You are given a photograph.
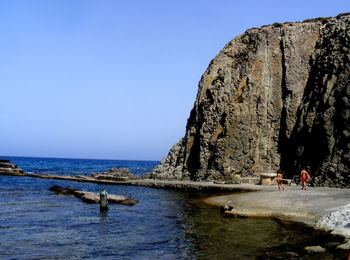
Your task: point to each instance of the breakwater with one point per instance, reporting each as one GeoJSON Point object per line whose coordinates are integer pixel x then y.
{"type": "Point", "coordinates": [204, 186]}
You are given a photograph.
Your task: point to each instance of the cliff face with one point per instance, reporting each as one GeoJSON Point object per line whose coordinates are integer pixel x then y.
{"type": "Point", "coordinates": [276, 96]}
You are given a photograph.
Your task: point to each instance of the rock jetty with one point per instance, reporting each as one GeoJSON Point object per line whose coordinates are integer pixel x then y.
{"type": "Point", "coordinates": [7, 167]}
{"type": "Point", "coordinates": [275, 96]}
{"type": "Point", "coordinates": [92, 197]}
{"type": "Point", "coordinates": [205, 186]}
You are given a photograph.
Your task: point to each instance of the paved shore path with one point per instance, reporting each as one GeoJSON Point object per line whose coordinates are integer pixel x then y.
{"type": "Point", "coordinates": [324, 208]}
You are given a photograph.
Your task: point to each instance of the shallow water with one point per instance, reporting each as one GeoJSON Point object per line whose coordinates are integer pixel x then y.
{"type": "Point", "coordinates": [36, 224]}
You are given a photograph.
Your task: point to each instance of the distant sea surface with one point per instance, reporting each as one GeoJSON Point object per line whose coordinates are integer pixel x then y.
{"type": "Point", "coordinates": [63, 166]}
{"type": "Point", "coordinates": [165, 224]}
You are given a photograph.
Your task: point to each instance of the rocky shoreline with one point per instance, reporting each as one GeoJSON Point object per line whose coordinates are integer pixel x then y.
{"type": "Point", "coordinates": [319, 207]}
{"type": "Point", "coordinates": [256, 200]}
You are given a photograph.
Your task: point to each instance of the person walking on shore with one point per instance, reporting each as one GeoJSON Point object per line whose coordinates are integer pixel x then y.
{"type": "Point", "coordinates": [304, 176]}
{"type": "Point", "coordinates": [280, 179]}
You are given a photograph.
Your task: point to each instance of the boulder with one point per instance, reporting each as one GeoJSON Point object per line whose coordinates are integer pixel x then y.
{"type": "Point", "coordinates": [237, 179]}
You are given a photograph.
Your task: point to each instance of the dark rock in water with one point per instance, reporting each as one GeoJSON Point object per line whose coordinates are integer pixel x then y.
{"type": "Point", "coordinates": [9, 168]}
{"type": "Point", "coordinates": [63, 191]}
{"type": "Point", "coordinates": [118, 174]}
{"type": "Point", "coordinates": [93, 197]}
{"type": "Point", "coordinates": [226, 208]}
{"type": "Point", "coordinates": [275, 96]}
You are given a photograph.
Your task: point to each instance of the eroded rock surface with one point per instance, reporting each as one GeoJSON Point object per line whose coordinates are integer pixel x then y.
{"type": "Point", "coordinates": [7, 167]}
{"type": "Point", "coordinates": [275, 96]}
{"type": "Point", "coordinates": [119, 174]}
{"type": "Point", "coordinates": [92, 197]}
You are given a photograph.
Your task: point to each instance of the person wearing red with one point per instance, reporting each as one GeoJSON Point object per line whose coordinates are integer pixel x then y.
{"type": "Point", "coordinates": [304, 176]}
{"type": "Point", "coordinates": [280, 179]}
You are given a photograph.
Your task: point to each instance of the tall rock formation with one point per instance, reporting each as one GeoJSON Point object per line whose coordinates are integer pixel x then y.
{"type": "Point", "coordinates": [275, 96]}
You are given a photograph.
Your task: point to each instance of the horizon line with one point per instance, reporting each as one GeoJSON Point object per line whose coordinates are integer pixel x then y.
{"type": "Point", "coordinates": [71, 158]}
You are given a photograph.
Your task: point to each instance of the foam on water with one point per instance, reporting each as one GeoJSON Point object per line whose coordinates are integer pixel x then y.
{"type": "Point", "coordinates": [338, 221]}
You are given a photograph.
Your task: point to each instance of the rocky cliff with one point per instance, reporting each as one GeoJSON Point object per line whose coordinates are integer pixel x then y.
{"type": "Point", "coordinates": [275, 96]}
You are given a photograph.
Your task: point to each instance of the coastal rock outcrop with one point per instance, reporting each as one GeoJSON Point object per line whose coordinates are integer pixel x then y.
{"type": "Point", "coordinates": [92, 197]}
{"type": "Point", "coordinates": [117, 174]}
{"type": "Point", "coordinates": [275, 96]}
{"type": "Point", "coordinates": [7, 167]}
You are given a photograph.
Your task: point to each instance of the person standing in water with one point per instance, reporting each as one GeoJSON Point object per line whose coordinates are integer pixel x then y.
{"type": "Point", "coordinates": [304, 176]}
{"type": "Point", "coordinates": [280, 179]}
{"type": "Point", "coordinates": [103, 200]}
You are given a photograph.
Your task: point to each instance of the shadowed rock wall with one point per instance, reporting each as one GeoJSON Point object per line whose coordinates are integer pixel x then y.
{"type": "Point", "coordinates": [276, 96]}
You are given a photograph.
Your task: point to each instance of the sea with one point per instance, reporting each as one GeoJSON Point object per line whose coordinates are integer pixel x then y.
{"type": "Point", "coordinates": [165, 224]}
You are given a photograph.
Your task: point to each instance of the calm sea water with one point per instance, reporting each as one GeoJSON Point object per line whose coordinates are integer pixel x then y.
{"type": "Point", "coordinates": [36, 224]}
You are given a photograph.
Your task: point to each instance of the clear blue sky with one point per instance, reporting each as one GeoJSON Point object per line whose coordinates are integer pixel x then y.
{"type": "Point", "coordinates": [116, 79]}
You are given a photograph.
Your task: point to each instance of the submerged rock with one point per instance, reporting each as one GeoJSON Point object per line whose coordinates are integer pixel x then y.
{"type": "Point", "coordinates": [275, 96]}
{"type": "Point", "coordinates": [63, 191]}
